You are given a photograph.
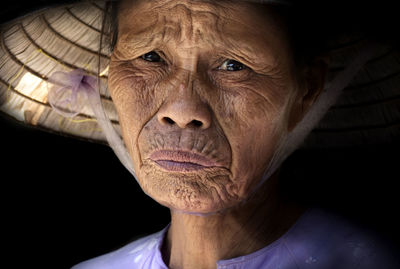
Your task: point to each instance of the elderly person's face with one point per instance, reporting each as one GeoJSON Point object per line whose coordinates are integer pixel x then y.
{"type": "Point", "coordinates": [204, 91]}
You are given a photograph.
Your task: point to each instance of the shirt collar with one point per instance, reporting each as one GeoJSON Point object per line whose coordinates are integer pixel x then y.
{"type": "Point", "coordinates": [238, 262]}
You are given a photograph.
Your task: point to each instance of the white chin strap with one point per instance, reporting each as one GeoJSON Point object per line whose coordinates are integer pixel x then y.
{"type": "Point", "coordinates": [327, 98]}
{"type": "Point", "coordinates": [70, 92]}
{"type": "Point", "coordinates": [113, 138]}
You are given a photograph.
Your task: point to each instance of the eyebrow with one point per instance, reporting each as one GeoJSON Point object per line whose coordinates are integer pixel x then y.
{"type": "Point", "coordinates": [136, 41]}
{"type": "Point", "coordinates": [242, 49]}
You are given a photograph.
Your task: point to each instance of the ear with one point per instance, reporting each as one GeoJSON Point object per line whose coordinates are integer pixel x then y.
{"type": "Point", "coordinates": [312, 81]}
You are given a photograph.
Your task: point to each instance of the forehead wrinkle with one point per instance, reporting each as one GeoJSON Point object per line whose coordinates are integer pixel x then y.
{"type": "Point", "coordinates": [163, 30]}
{"type": "Point", "coordinates": [186, 24]}
{"type": "Point", "coordinates": [187, 17]}
{"type": "Point", "coordinates": [158, 12]}
{"type": "Point", "coordinates": [151, 37]}
{"type": "Point", "coordinates": [194, 5]}
{"type": "Point", "coordinates": [194, 26]}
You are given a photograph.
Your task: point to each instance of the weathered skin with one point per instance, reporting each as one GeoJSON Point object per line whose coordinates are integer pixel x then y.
{"type": "Point", "coordinates": [190, 102]}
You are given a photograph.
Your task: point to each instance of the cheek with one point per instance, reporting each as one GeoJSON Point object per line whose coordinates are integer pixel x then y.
{"type": "Point", "coordinates": [253, 117]}
{"type": "Point", "coordinates": [253, 98]}
{"type": "Point", "coordinates": [250, 108]}
{"type": "Point", "coordinates": [133, 95]}
{"type": "Point", "coordinates": [130, 89]}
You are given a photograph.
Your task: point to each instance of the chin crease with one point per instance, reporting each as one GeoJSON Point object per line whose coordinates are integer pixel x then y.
{"type": "Point", "coordinates": [200, 192]}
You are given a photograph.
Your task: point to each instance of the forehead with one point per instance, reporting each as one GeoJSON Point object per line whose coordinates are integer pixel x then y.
{"type": "Point", "coordinates": [220, 8]}
{"type": "Point", "coordinates": [246, 24]}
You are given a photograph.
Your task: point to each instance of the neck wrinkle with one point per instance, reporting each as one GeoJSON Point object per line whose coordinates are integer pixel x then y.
{"type": "Point", "coordinates": [201, 241]}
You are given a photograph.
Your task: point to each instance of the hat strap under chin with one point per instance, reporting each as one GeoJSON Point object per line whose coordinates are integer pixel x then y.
{"type": "Point", "coordinates": [113, 138]}
{"type": "Point", "coordinates": [69, 92]}
{"type": "Point", "coordinates": [290, 142]}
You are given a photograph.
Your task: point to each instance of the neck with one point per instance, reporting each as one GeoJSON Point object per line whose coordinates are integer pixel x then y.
{"type": "Point", "coordinates": [200, 241]}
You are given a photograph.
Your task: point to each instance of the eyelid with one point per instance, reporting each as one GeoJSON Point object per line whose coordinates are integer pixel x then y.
{"type": "Point", "coordinates": [160, 54]}
{"type": "Point", "coordinates": [245, 67]}
{"type": "Point", "coordinates": [142, 55]}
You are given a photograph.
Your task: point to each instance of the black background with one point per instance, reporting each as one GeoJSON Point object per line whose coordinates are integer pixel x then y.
{"type": "Point", "coordinates": [66, 200]}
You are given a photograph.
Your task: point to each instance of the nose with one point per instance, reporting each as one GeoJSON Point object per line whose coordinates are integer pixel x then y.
{"type": "Point", "coordinates": [186, 110]}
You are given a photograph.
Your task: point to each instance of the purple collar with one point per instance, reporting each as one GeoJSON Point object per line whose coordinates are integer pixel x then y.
{"type": "Point", "coordinates": [318, 240]}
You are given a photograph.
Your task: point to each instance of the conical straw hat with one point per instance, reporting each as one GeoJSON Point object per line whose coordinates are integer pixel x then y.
{"type": "Point", "coordinates": [37, 45]}
{"type": "Point", "coordinates": [66, 38]}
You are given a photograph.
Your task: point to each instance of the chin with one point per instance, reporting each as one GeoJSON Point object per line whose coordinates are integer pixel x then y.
{"type": "Point", "coordinates": [202, 206]}
{"type": "Point", "coordinates": [201, 193]}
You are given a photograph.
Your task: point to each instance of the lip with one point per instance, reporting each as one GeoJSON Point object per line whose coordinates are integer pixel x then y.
{"type": "Point", "coordinates": [176, 160]}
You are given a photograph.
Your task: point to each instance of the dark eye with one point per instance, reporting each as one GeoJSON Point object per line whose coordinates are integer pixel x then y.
{"type": "Point", "coordinates": [232, 65]}
{"type": "Point", "coordinates": [152, 56]}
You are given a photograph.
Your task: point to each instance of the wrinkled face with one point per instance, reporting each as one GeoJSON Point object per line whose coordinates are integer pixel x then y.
{"type": "Point", "coordinates": [203, 93]}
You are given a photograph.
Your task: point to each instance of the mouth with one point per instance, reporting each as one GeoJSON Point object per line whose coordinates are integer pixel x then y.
{"type": "Point", "coordinates": [181, 161]}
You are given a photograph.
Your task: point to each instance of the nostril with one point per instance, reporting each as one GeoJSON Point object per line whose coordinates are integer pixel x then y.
{"type": "Point", "coordinates": [183, 123]}
{"type": "Point", "coordinates": [196, 123]}
{"type": "Point", "coordinates": [168, 120]}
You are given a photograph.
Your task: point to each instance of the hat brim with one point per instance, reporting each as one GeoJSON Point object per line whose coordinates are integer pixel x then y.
{"type": "Point", "coordinates": [67, 37]}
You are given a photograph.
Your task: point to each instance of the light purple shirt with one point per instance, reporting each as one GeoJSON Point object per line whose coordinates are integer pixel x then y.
{"type": "Point", "coordinates": [318, 240]}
